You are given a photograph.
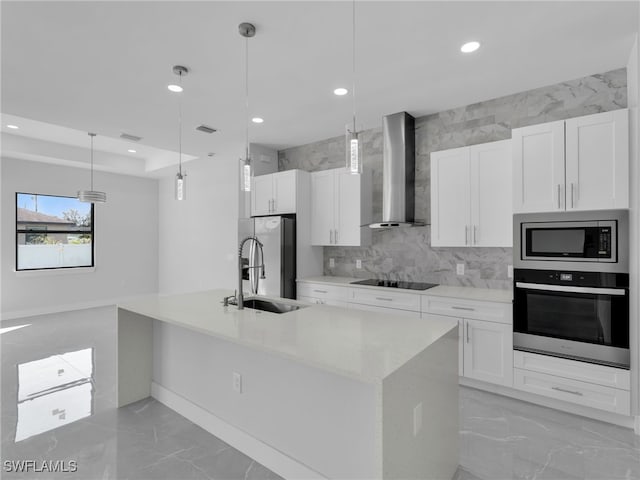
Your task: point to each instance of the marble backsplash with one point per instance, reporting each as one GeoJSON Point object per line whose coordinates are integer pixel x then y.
{"type": "Point", "coordinates": [406, 253]}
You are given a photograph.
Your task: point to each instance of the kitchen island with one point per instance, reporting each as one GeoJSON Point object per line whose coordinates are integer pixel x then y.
{"type": "Point", "coordinates": [320, 392]}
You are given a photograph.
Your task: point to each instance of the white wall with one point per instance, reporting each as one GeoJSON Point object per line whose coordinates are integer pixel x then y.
{"type": "Point", "coordinates": [198, 236]}
{"type": "Point", "coordinates": [126, 240]}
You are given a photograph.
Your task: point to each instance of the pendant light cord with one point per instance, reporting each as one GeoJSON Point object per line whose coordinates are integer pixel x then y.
{"type": "Point", "coordinates": [246, 93]}
{"type": "Point", "coordinates": [180, 130]}
{"type": "Point", "coordinates": [92, 160]}
{"type": "Point", "coordinates": [353, 53]}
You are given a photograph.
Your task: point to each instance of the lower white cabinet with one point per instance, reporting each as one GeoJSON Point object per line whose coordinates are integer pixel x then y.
{"type": "Point", "coordinates": [596, 386]}
{"type": "Point", "coordinates": [371, 297]}
{"type": "Point", "coordinates": [485, 348]}
{"type": "Point", "coordinates": [488, 348]}
{"type": "Point", "coordinates": [324, 294]}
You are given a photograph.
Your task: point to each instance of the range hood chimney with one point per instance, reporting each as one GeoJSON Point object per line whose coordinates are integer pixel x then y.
{"type": "Point", "coordinates": [398, 172]}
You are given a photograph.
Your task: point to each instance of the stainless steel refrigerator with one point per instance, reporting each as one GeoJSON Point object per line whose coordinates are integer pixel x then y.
{"type": "Point", "coordinates": [278, 237]}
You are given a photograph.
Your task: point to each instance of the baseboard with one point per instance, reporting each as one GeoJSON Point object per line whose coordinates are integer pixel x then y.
{"type": "Point", "coordinates": [591, 413]}
{"type": "Point", "coordinates": [270, 457]}
{"type": "Point", "coordinates": [69, 307]}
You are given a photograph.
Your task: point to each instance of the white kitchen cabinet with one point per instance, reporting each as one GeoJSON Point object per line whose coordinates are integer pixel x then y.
{"type": "Point", "coordinates": [576, 164]}
{"type": "Point", "coordinates": [340, 205]}
{"type": "Point", "coordinates": [274, 194]}
{"type": "Point", "coordinates": [471, 196]}
{"type": "Point", "coordinates": [485, 343]}
{"type": "Point", "coordinates": [488, 351]}
{"type": "Point", "coordinates": [383, 298]}
{"type": "Point", "coordinates": [323, 294]}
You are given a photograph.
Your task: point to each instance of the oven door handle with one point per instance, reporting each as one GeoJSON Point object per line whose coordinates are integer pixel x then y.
{"type": "Point", "coordinates": [570, 289]}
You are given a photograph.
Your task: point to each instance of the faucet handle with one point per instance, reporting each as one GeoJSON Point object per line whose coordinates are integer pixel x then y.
{"type": "Point", "coordinates": [230, 300]}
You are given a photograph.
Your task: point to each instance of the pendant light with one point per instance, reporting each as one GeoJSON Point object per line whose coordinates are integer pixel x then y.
{"type": "Point", "coordinates": [247, 30]}
{"type": "Point", "coordinates": [353, 142]}
{"type": "Point", "coordinates": [92, 196]}
{"type": "Point", "coordinates": [181, 180]}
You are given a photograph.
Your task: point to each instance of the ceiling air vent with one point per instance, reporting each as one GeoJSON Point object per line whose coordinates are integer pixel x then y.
{"type": "Point", "coordinates": [206, 129]}
{"type": "Point", "coordinates": [131, 138]}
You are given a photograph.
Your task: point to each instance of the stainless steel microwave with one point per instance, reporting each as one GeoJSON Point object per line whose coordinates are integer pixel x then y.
{"type": "Point", "coordinates": [590, 241]}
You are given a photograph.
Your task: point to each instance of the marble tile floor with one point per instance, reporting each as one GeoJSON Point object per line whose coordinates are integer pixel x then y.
{"type": "Point", "coordinates": [58, 404]}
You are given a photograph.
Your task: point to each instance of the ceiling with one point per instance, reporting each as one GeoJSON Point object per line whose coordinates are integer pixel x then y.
{"type": "Point", "coordinates": [73, 67]}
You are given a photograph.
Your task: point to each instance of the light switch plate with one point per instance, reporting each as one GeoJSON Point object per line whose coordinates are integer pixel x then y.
{"type": "Point", "coordinates": [332, 263]}
{"type": "Point", "coordinates": [237, 382]}
{"type": "Point", "coordinates": [460, 268]}
{"type": "Point", "coordinates": [358, 263]}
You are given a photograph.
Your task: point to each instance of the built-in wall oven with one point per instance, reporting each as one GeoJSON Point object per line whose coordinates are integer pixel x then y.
{"type": "Point", "coordinates": [571, 285]}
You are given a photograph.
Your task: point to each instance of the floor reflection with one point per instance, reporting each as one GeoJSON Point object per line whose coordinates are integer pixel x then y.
{"type": "Point", "coordinates": [54, 391]}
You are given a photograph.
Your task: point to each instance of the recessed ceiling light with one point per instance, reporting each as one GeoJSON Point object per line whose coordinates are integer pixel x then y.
{"type": "Point", "coordinates": [470, 47]}
{"type": "Point", "coordinates": [175, 88]}
{"type": "Point", "coordinates": [257, 120]}
{"type": "Point", "coordinates": [131, 150]}
{"type": "Point", "coordinates": [340, 91]}
{"type": "Point", "coordinates": [13, 127]}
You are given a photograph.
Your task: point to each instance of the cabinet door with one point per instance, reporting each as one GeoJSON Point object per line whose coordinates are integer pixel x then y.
{"type": "Point", "coordinates": [284, 192]}
{"type": "Point", "coordinates": [597, 161]}
{"type": "Point", "coordinates": [347, 211]}
{"type": "Point", "coordinates": [488, 352]}
{"type": "Point", "coordinates": [427, 316]}
{"type": "Point", "coordinates": [261, 195]}
{"type": "Point", "coordinates": [538, 168]}
{"type": "Point", "coordinates": [491, 194]}
{"type": "Point", "coordinates": [322, 207]}
{"type": "Point", "coordinates": [450, 191]}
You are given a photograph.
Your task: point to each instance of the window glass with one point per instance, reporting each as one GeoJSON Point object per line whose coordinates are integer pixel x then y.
{"type": "Point", "coordinates": [53, 232]}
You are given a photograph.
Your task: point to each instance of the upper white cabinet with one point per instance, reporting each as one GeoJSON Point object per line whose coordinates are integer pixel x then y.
{"type": "Point", "coordinates": [576, 164]}
{"type": "Point", "coordinates": [274, 194]}
{"type": "Point", "coordinates": [340, 206]}
{"type": "Point", "coordinates": [471, 196]}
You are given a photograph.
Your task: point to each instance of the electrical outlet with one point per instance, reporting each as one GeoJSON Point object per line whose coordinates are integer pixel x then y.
{"type": "Point", "coordinates": [509, 271]}
{"type": "Point", "coordinates": [237, 382]}
{"type": "Point", "coordinates": [358, 264]}
{"type": "Point", "coordinates": [332, 263]}
{"type": "Point", "coordinates": [417, 419]}
{"type": "Point", "coordinates": [460, 268]}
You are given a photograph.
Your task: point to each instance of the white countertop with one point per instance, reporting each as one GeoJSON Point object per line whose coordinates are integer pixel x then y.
{"type": "Point", "coordinates": [469, 293]}
{"type": "Point", "coordinates": [364, 345]}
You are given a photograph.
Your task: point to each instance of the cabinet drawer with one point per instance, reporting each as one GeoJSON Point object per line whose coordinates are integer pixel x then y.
{"type": "Point", "coordinates": [458, 307]}
{"type": "Point", "coordinates": [319, 301]}
{"type": "Point", "coordinates": [582, 393]}
{"type": "Point", "coordinates": [401, 301]}
{"type": "Point", "coordinates": [322, 291]}
{"type": "Point", "coordinates": [387, 310]}
{"type": "Point", "coordinates": [562, 367]}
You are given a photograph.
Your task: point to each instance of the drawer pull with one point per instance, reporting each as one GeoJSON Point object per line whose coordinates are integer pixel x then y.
{"type": "Point", "coordinates": [468, 309]}
{"type": "Point", "coordinates": [572, 392]}
{"type": "Point", "coordinates": [321, 291]}
{"type": "Point", "coordinates": [385, 299]}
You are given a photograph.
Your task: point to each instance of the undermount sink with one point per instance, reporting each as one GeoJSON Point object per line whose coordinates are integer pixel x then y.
{"type": "Point", "coordinates": [270, 305]}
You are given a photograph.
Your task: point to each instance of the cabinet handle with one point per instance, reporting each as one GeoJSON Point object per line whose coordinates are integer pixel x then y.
{"type": "Point", "coordinates": [475, 234]}
{"type": "Point", "coordinates": [469, 309]}
{"type": "Point", "coordinates": [274, 205]}
{"type": "Point", "coordinates": [320, 291]}
{"type": "Point", "coordinates": [466, 234]}
{"type": "Point", "coordinates": [558, 196]}
{"type": "Point", "coordinates": [572, 392]}
{"type": "Point", "coordinates": [335, 236]}
{"type": "Point", "coordinates": [467, 325]}
{"type": "Point", "coordinates": [385, 299]}
{"type": "Point", "coordinates": [572, 194]}
{"type": "Point", "coordinates": [331, 236]}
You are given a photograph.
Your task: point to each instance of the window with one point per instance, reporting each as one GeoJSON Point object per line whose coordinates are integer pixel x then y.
{"type": "Point", "coordinates": [53, 232]}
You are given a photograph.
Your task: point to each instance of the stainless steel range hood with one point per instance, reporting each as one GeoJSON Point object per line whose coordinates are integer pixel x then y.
{"type": "Point", "coordinates": [398, 172]}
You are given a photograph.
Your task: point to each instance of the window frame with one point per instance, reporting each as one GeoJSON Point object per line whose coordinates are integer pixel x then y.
{"type": "Point", "coordinates": [26, 232]}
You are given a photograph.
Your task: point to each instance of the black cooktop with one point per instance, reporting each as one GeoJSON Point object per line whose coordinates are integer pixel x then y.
{"type": "Point", "coordinates": [395, 284]}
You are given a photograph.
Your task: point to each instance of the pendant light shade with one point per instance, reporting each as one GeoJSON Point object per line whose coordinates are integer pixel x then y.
{"type": "Point", "coordinates": [92, 196]}
{"type": "Point", "coordinates": [181, 177]}
{"type": "Point", "coordinates": [353, 145]}
{"type": "Point", "coordinates": [247, 30]}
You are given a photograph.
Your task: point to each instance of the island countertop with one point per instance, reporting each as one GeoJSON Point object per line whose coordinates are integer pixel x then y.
{"type": "Point", "coordinates": [363, 345]}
